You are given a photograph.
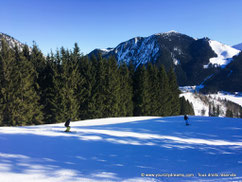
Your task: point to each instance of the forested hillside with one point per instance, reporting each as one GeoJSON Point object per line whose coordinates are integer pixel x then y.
{"type": "Point", "coordinates": [36, 89]}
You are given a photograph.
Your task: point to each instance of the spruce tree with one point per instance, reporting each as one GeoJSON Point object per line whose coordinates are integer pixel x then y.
{"type": "Point", "coordinates": [152, 88]}
{"type": "Point", "coordinates": [175, 104]}
{"type": "Point", "coordinates": [126, 91]}
{"type": "Point", "coordinates": [141, 94]}
{"type": "Point", "coordinates": [112, 88]}
{"type": "Point", "coordinates": [70, 78]}
{"type": "Point", "coordinates": [20, 102]}
{"type": "Point", "coordinates": [30, 108]}
{"type": "Point", "coordinates": [7, 85]}
{"type": "Point", "coordinates": [37, 58]}
{"type": "Point", "coordinates": [229, 113]}
{"type": "Point", "coordinates": [186, 107]}
{"type": "Point", "coordinates": [87, 104]}
{"type": "Point", "coordinates": [49, 90]}
{"type": "Point", "coordinates": [164, 97]}
{"type": "Point", "coordinates": [98, 95]}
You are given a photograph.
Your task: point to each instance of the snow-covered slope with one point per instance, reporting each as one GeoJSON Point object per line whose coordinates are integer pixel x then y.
{"type": "Point", "coordinates": [140, 149]}
{"type": "Point", "coordinates": [210, 104]}
{"type": "Point", "coordinates": [224, 54]}
{"type": "Point", "coordinates": [194, 60]}
{"type": "Point", "coordinates": [11, 41]}
{"type": "Point", "coordinates": [140, 50]}
{"type": "Point", "coordinates": [233, 97]}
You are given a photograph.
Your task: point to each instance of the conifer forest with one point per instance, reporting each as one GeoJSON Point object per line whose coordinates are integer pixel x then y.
{"type": "Point", "coordinates": [37, 89]}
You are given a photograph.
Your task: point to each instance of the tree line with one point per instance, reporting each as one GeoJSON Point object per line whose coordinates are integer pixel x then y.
{"type": "Point", "coordinates": [37, 89]}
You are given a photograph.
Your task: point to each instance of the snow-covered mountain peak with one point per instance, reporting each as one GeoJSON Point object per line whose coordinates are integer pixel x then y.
{"type": "Point", "coordinates": [107, 49]}
{"type": "Point", "coordinates": [168, 35]}
{"type": "Point", "coordinates": [194, 60]}
{"type": "Point", "coordinates": [224, 54]}
{"type": "Point", "coordinates": [172, 32]}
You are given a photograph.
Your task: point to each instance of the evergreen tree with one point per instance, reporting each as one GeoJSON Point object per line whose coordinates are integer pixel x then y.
{"type": "Point", "coordinates": [175, 104]}
{"type": "Point", "coordinates": [240, 112]}
{"type": "Point", "coordinates": [50, 90]}
{"type": "Point", "coordinates": [164, 96]}
{"type": "Point", "coordinates": [38, 60]}
{"type": "Point", "coordinates": [186, 107]}
{"type": "Point", "coordinates": [87, 102]}
{"type": "Point", "coordinates": [30, 108]}
{"type": "Point", "coordinates": [105, 91]}
{"type": "Point", "coordinates": [20, 102]}
{"type": "Point", "coordinates": [210, 110]}
{"type": "Point", "coordinates": [229, 113]}
{"type": "Point", "coordinates": [111, 88]}
{"type": "Point", "coordinates": [98, 95]}
{"type": "Point", "coordinates": [7, 85]}
{"type": "Point", "coordinates": [70, 78]}
{"type": "Point", "coordinates": [153, 89]}
{"type": "Point", "coordinates": [141, 95]}
{"type": "Point", "coordinates": [126, 92]}
{"type": "Point", "coordinates": [218, 110]}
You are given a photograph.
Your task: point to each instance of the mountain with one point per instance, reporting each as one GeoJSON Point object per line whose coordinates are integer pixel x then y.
{"type": "Point", "coordinates": [194, 60]}
{"type": "Point", "coordinates": [238, 46]}
{"type": "Point", "coordinates": [11, 41]}
{"type": "Point", "coordinates": [132, 149]}
{"type": "Point", "coordinates": [227, 79]}
{"type": "Point", "coordinates": [203, 62]}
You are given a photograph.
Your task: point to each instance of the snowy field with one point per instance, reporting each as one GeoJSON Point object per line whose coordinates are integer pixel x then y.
{"type": "Point", "coordinates": [124, 149]}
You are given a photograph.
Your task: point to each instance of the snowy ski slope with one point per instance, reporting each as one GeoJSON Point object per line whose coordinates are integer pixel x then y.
{"type": "Point", "coordinates": [133, 149]}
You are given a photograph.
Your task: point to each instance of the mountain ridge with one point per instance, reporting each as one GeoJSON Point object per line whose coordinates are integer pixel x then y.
{"type": "Point", "coordinates": [11, 41]}
{"type": "Point", "coordinates": [194, 60]}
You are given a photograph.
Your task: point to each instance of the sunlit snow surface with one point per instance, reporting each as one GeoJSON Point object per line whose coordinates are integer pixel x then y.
{"type": "Point", "coordinates": [201, 107]}
{"type": "Point", "coordinates": [123, 149]}
{"type": "Point", "coordinates": [224, 54]}
{"type": "Point", "coordinates": [233, 97]}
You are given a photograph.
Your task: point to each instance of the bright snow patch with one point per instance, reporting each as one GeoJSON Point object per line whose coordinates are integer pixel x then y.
{"type": "Point", "coordinates": [236, 98]}
{"type": "Point", "coordinates": [135, 149]}
{"type": "Point", "coordinates": [107, 50]}
{"type": "Point", "coordinates": [224, 54]}
{"type": "Point", "coordinates": [200, 108]}
{"type": "Point", "coordinates": [201, 101]}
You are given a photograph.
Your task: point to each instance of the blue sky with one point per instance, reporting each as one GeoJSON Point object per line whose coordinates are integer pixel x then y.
{"type": "Point", "coordinates": [106, 23]}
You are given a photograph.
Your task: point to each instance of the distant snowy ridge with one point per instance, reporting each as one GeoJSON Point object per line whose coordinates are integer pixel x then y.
{"type": "Point", "coordinates": [141, 50]}
{"type": "Point", "coordinates": [12, 42]}
{"type": "Point", "coordinates": [224, 54]}
{"type": "Point", "coordinates": [233, 97]}
{"type": "Point", "coordinates": [203, 104]}
{"type": "Point", "coordinates": [194, 60]}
